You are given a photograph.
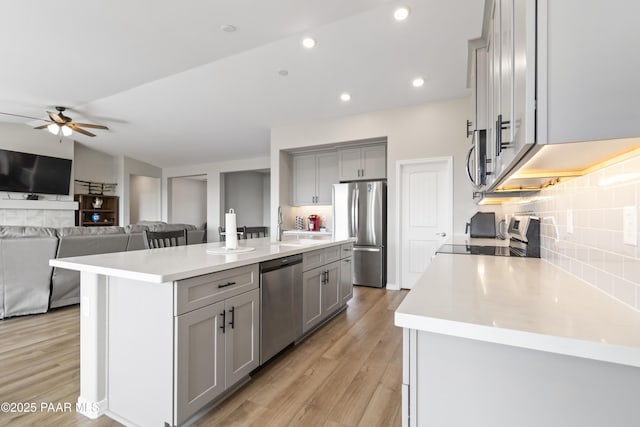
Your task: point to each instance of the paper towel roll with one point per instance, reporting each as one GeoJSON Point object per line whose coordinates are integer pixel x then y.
{"type": "Point", "coordinates": [231, 235]}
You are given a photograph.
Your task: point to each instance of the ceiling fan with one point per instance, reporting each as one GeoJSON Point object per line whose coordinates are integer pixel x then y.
{"type": "Point", "coordinates": [59, 123]}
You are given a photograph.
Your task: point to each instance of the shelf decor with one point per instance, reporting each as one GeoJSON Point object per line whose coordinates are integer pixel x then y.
{"type": "Point", "coordinates": [96, 210]}
{"type": "Point", "coordinates": [98, 188]}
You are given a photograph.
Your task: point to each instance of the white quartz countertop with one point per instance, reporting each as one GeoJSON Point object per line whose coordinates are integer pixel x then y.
{"type": "Point", "coordinates": [180, 262]}
{"type": "Point", "coordinates": [466, 240]}
{"type": "Point", "coordinates": [306, 233]}
{"type": "Point", "coordinates": [521, 302]}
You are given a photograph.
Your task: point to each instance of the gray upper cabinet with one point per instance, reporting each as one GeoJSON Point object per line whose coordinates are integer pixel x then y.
{"type": "Point", "coordinates": [313, 177]}
{"type": "Point", "coordinates": [363, 162]}
{"type": "Point", "coordinates": [552, 79]}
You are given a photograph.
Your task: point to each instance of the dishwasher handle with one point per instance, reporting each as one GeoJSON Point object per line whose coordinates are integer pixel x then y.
{"type": "Point", "coordinates": [279, 263]}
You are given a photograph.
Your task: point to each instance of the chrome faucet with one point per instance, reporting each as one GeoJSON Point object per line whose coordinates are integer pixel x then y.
{"type": "Point", "coordinates": [279, 226]}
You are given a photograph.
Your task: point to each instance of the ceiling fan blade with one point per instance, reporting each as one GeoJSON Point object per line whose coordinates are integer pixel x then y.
{"type": "Point", "coordinates": [80, 130]}
{"type": "Point", "coordinates": [89, 125]}
{"type": "Point", "coordinates": [20, 115]}
{"type": "Point", "coordinates": [41, 127]}
{"type": "Point", "coordinates": [56, 118]}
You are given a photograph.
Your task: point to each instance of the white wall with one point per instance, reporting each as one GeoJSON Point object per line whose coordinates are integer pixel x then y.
{"type": "Point", "coordinates": [23, 138]}
{"type": "Point", "coordinates": [125, 168]}
{"type": "Point", "coordinates": [266, 199]}
{"type": "Point", "coordinates": [422, 131]}
{"type": "Point", "coordinates": [212, 171]}
{"type": "Point", "coordinates": [189, 201]}
{"type": "Point", "coordinates": [95, 166]}
{"type": "Point", "coordinates": [244, 192]}
{"type": "Point", "coordinates": [144, 199]}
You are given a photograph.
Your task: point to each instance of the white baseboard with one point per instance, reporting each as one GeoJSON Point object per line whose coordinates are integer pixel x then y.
{"type": "Point", "coordinates": [393, 287]}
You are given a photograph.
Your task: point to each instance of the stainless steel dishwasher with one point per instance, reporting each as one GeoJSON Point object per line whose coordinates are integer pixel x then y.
{"type": "Point", "coordinates": [281, 304]}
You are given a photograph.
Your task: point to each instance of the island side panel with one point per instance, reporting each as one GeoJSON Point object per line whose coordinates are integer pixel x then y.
{"type": "Point", "coordinates": [465, 382]}
{"type": "Point", "coordinates": [92, 401]}
{"type": "Point", "coordinates": [140, 353]}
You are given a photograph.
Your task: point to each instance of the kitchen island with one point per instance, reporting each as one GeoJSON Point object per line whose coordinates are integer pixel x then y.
{"type": "Point", "coordinates": [164, 333]}
{"type": "Point", "coordinates": [500, 341]}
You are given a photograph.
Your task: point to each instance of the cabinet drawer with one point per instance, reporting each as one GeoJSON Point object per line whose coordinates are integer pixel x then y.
{"type": "Point", "coordinates": [332, 254]}
{"type": "Point", "coordinates": [346, 250]}
{"type": "Point", "coordinates": [200, 291]}
{"type": "Point", "coordinates": [313, 259]}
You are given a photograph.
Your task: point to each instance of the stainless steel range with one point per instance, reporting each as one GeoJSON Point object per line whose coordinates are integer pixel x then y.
{"type": "Point", "coordinates": [524, 241]}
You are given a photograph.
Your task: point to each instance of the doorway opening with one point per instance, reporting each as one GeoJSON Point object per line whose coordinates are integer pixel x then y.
{"type": "Point", "coordinates": [187, 200]}
{"type": "Point", "coordinates": [248, 193]}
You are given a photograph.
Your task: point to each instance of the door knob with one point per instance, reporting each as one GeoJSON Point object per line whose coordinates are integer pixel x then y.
{"type": "Point", "coordinates": [443, 234]}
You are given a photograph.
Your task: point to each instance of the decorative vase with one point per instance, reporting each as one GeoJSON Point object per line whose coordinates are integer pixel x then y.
{"type": "Point", "coordinates": [97, 203]}
{"type": "Point", "coordinates": [95, 217]}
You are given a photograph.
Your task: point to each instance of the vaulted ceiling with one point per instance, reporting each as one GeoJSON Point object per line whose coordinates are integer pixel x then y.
{"type": "Point", "coordinates": [174, 88]}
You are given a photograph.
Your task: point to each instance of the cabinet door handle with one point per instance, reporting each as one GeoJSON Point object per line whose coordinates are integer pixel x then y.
{"type": "Point", "coordinates": [224, 319]}
{"type": "Point", "coordinates": [226, 284]}
{"type": "Point", "coordinates": [362, 172]}
{"type": "Point", "coordinates": [233, 317]}
{"type": "Point", "coordinates": [469, 131]}
{"type": "Point", "coordinates": [500, 126]}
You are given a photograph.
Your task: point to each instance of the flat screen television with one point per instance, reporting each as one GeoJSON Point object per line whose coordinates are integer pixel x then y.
{"type": "Point", "coordinates": [33, 173]}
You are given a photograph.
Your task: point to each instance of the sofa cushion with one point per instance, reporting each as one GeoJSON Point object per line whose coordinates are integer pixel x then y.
{"type": "Point", "coordinates": [150, 222]}
{"type": "Point", "coordinates": [25, 274]}
{"type": "Point", "coordinates": [171, 227]}
{"type": "Point", "coordinates": [135, 228]}
{"type": "Point", "coordinates": [17, 231]}
{"type": "Point", "coordinates": [88, 231]}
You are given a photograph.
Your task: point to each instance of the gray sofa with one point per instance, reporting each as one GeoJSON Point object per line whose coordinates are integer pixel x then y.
{"type": "Point", "coordinates": [28, 285]}
{"type": "Point", "coordinates": [25, 275]}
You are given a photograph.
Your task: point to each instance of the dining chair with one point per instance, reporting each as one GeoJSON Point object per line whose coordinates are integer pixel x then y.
{"type": "Point", "coordinates": [242, 233]}
{"type": "Point", "coordinates": [254, 232]}
{"type": "Point", "coordinates": [164, 239]}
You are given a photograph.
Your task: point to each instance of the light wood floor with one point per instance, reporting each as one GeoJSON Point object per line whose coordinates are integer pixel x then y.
{"type": "Point", "coordinates": [346, 374]}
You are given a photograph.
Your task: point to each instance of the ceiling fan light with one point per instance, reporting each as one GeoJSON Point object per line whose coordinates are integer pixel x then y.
{"type": "Point", "coordinates": [66, 130]}
{"type": "Point", "coordinates": [53, 128]}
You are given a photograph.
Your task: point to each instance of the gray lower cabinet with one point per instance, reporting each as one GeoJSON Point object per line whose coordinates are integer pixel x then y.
{"type": "Point", "coordinates": [346, 272]}
{"type": "Point", "coordinates": [242, 336]}
{"type": "Point", "coordinates": [320, 294]}
{"type": "Point", "coordinates": [311, 298]}
{"type": "Point", "coordinates": [216, 346]}
{"type": "Point", "coordinates": [346, 279]}
{"type": "Point", "coordinates": [331, 288]}
{"type": "Point", "coordinates": [200, 354]}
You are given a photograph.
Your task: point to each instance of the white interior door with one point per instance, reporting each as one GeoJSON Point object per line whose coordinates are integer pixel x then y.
{"type": "Point", "coordinates": [426, 207]}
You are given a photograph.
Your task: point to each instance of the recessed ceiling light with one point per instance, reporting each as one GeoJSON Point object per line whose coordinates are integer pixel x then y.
{"type": "Point", "coordinates": [401, 13]}
{"type": "Point", "coordinates": [418, 82]}
{"type": "Point", "coordinates": [308, 42]}
{"type": "Point", "coordinates": [283, 73]}
{"type": "Point", "coordinates": [227, 28]}
{"type": "Point", "coordinates": [345, 97]}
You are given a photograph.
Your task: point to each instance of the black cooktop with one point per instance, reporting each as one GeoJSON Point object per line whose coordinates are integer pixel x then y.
{"type": "Point", "coordinates": [480, 250]}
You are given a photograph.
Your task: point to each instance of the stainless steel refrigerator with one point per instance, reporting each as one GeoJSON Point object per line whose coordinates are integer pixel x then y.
{"type": "Point", "coordinates": [360, 211]}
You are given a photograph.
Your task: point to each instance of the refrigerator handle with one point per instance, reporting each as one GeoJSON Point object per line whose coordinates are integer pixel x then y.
{"type": "Point", "coordinates": [352, 211]}
{"type": "Point", "coordinates": [357, 212]}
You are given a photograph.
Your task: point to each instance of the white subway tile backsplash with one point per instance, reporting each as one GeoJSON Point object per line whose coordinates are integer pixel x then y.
{"type": "Point", "coordinates": [625, 291]}
{"type": "Point", "coordinates": [595, 251]}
